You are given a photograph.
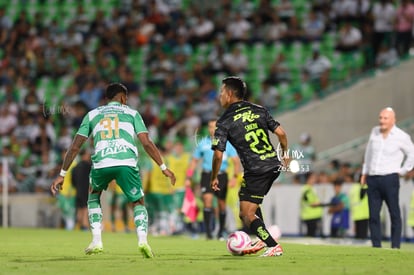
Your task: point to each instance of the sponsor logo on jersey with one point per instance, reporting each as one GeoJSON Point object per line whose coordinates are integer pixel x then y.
{"type": "Point", "coordinates": [246, 116]}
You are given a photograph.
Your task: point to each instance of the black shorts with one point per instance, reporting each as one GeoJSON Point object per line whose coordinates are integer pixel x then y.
{"type": "Point", "coordinates": [206, 187]}
{"type": "Point", "coordinates": [255, 186]}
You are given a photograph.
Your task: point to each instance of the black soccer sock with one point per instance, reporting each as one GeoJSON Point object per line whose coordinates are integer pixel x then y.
{"type": "Point", "coordinates": [258, 227]}
{"type": "Point", "coordinates": [222, 221]}
{"type": "Point", "coordinates": [208, 212]}
{"type": "Point", "coordinates": [259, 213]}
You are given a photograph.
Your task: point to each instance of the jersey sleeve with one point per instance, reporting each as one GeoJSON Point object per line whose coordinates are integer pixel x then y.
{"type": "Point", "coordinates": [272, 124]}
{"type": "Point", "coordinates": [85, 127]}
{"type": "Point", "coordinates": [220, 138]}
{"type": "Point", "coordinates": [139, 125]}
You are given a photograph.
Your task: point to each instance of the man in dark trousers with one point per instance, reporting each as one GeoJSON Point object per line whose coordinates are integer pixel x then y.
{"type": "Point", "coordinates": [389, 155]}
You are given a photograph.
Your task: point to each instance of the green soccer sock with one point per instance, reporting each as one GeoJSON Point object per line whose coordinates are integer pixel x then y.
{"type": "Point", "coordinates": [95, 216]}
{"type": "Point", "coordinates": [141, 223]}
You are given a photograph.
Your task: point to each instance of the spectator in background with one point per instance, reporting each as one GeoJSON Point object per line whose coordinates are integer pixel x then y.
{"type": "Point", "coordinates": [168, 123]}
{"type": "Point", "coordinates": [237, 30]}
{"type": "Point", "coordinates": [346, 172]}
{"type": "Point", "coordinates": [201, 31]}
{"type": "Point", "coordinates": [279, 70]}
{"type": "Point", "coordinates": [160, 66]}
{"type": "Point", "coordinates": [91, 94]}
{"type": "Point", "coordinates": [383, 13]}
{"type": "Point", "coordinates": [46, 171]}
{"type": "Point", "coordinates": [41, 142]}
{"type": "Point", "coordinates": [339, 209]}
{"type": "Point", "coordinates": [349, 39]}
{"type": "Point", "coordinates": [295, 31]}
{"type": "Point", "coordinates": [235, 62]}
{"type": "Point", "coordinates": [270, 96]}
{"type": "Point", "coordinates": [187, 126]}
{"type": "Point", "coordinates": [188, 88]}
{"type": "Point", "coordinates": [26, 176]}
{"type": "Point", "coordinates": [257, 31]}
{"type": "Point", "coordinates": [8, 121]}
{"type": "Point", "coordinates": [276, 29]}
{"type": "Point", "coordinates": [313, 27]}
{"type": "Point", "coordinates": [144, 32]}
{"type": "Point", "coordinates": [285, 10]}
{"type": "Point", "coordinates": [386, 56]}
{"type": "Point", "coordinates": [215, 63]}
{"type": "Point", "coordinates": [318, 68]}
{"type": "Point", "coordinates": [265, 10]}
{"type": "Point", "coordinates": [333, 169]}
{"type": "Point", "coordinates": [149, 112]}
{"type": "Point", "coordinates": [64, 139]}
{"type": "Point", "coordinates": [404, 23]}
{"type": "Point", "coordinates": [307, 156]}
{"type": "Point", "coordinates": [342, 10]}
{"type": "Point", "coordinates": [5, 21]}
{"type": "Point", "coordinates": [389, 154]}
{"type": "Point", "coordinates": [183, 47]}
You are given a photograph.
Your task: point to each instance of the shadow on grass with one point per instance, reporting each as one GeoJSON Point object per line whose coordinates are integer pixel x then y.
{"type": "Point", "coordinates": [60, 259]}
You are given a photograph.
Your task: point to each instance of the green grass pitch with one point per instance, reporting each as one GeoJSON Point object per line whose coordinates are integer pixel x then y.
{"type": "Point", "coordinates": [48, 251]}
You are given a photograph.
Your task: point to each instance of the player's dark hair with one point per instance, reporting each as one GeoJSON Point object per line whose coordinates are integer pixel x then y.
{"type": "Point", "coordinates": [115, 88]}
{"type": "Point", "coordinates": [235, 84]}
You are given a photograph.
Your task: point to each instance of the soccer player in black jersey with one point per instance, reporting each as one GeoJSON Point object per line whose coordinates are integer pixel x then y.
{"type": "Point", "coordinates": [245, 125]}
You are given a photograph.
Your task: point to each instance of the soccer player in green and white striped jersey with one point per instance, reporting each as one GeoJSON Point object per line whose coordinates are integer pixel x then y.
{"type": "Point", "coordinates": [113, 128]}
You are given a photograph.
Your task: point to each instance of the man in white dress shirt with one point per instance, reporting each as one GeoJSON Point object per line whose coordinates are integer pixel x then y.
{"type": "Point", "coordinates": [384, 163]}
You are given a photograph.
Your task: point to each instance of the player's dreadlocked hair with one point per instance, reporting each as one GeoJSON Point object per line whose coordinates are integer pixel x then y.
{"type": "Point", "coordinates": [114, 88]}
{"type": "Point", "coordinates": [235, 84]}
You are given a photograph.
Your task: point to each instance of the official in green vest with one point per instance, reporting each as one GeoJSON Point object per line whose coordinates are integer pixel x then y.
{"type": "Point", "coordinates": [311, 213]}
{"type": "Point", "coordinates": [359, 210]}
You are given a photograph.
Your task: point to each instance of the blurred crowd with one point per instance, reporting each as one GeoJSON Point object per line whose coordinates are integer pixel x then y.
{"type": "Point", "coordinates": [171, 55]}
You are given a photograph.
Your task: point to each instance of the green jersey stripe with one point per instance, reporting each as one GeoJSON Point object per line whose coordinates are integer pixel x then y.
{"type": "Point", "coordinates": [110, 162]}
{"type": "Point", "coordinates": [113, 128]}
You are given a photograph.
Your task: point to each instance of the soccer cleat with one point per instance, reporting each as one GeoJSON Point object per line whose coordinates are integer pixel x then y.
{"type": "Point", "coordinates": [220, 237]}
{"type": "Point", "coordinates": [273, 251]}
{"type": "Point", "coordinates": [146, 250]}
{"type": "Point", "coordinates": [94, 248]}
{"type": "Point", "coordinates": [254, 247]}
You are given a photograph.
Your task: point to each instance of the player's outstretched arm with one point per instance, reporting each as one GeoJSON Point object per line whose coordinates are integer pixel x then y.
{"type": "Point", "coordinates": [155, 154]}
{"type": "Point", "coordinates": [72, 152]}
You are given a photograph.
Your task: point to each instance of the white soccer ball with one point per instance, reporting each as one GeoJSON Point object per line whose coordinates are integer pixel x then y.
{"type": "Point", "coordinates": [237, 242]}
{"type": "Point", "coordinates": [275, 232]}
